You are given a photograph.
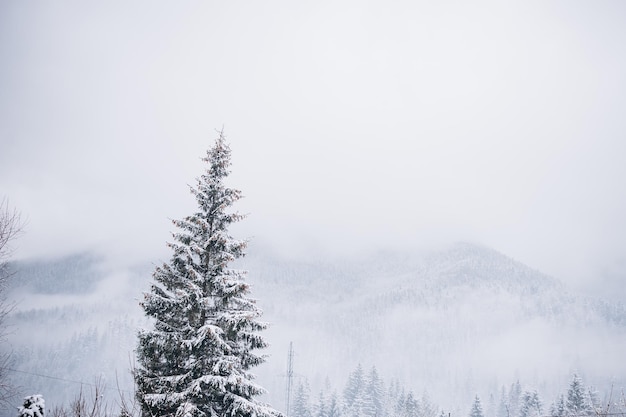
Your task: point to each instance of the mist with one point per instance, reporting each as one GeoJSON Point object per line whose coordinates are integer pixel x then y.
{"type": "Point", "coordinates": [453, 322]}
{"type": "Point", "coordinates": [351, 124]}
{"type": "Point", "coordinates": [359, 131]}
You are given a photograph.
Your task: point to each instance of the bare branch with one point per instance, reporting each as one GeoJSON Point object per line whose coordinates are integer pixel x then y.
{"type": "Point", "coordinates": [10, 228]}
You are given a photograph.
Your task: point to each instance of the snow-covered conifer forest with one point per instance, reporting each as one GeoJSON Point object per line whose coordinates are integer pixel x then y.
{"type": "Point", "coordinates": [459, 330]}
{"type": "Point", "coordinates": [432, 215]}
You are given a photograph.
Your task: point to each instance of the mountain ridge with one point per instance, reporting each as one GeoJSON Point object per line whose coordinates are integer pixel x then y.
{"type": "Point", "coordinates": [424, 318]}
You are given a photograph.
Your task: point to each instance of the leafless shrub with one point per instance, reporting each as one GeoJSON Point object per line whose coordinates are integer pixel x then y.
{"type": "Point", "coordinates": [93, 404]}
{"type": "Point", "coordinates": [10, 228]}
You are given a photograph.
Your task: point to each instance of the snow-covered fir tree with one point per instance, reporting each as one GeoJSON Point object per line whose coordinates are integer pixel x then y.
{"type": "Point", "coordinates": [34, 406]}
{"type": "Point", "coordinates": [354, 387]}
{"type": "Point", "coordinates": [411, 406]}
{"type": "Point", "coordinates": [594, 399]}
{"type": "Point", "coordinates": [503, 405]}
{"type": "Point", "coordinates": [530, 404]}
{"type": "Point", "coordinates": [301, 406]}
{"type": "Point", "coordinates": [558, 408]}
{"type": "Point", "coordinates": [320, 409]}
{"type": "Point", "coordinates": [577, 402]}
{"type": "Point", "coordinates": [515, 394]}
{"type": "Point", "coordinates": [333, 409]}
{"type": "Point", "coordinates": [374, 394]}
{"type": "Point", "coordinates": [428, 408]}
{"type": "Point", "coordinates": [490, 410]}
{"type": "Point", "coordinates": [400, 403]}
{"type": "Point", "coordinates": [477, 408]}
{"type": "Point", "coordinates": [354, 393]}
{"type": "Point", "coordinates": [196, 360]}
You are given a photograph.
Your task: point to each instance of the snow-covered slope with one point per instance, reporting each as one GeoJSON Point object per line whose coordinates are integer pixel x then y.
{"type": "Point", "coordinates": [457, 321]}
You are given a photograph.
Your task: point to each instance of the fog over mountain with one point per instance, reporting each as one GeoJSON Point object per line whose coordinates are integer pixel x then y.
{"type": "Point", "coordinates": [366, 136]}
{"type": "Point", "coordinates": [353, 124]}
{"type": "Point", "coordinates": [454, 322]}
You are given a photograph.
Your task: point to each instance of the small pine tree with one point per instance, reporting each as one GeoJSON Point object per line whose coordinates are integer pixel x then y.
{"type": "Point", "coordinates": [477, 408]}
{"type": "Point", "coordinates": [558, 408]}
{"type": "Point", "coordinates": [354, 387]}
{"type": "Point", "coordinates": [301, 403]}
{"type": "Point", "coordinates": [428, 408]}
{"type": "Point", "coordinates": [400, 404]}
{"type": "Point", "coordinates": [321, 407]}
{"type": "Point", "coordinates": [503, 406]}
{"type": "Point", "coordinates": [411, 406]}
{"type": "Point", "coordinates": [490, 411]}
{"type": "Point", "coordinates": [531, 405]}
{"type": "Point", "coordinates": [594, 400]}
{"type": "Point", "coordinates": [333, 410]}
{"type": "Point", "coordinates": [34, 406]}
{"type": "Point", "coordinates": [515, 394]}
{"type": "Point", "coordinates": [374, 394]}
{"type": "Point", "coordinates": [577, 403]}
{"type": "Point", "coordinates": [196, 360]}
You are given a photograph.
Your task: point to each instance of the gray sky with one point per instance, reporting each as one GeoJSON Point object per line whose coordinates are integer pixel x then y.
{"type": "Point", "coordinates": [352, 123]}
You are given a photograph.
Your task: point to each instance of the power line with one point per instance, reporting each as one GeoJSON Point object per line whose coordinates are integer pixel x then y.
{"type": "Point", "coordinates": [66, 380]}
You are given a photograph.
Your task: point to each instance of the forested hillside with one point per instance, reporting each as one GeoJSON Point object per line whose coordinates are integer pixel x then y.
{"type": "Point", "coordinates": [450, 324]}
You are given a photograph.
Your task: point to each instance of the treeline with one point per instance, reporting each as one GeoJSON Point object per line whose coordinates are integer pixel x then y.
{"type": "Point", "coordinates": [74, 274]}
{"type": "Point", "coordinates": [366, 394]}
{"type": "Point", "coordinates": [577, 400]}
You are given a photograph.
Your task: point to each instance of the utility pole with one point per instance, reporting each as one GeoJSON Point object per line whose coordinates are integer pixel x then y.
{"type": "Point", "coordinates": [289, 379]}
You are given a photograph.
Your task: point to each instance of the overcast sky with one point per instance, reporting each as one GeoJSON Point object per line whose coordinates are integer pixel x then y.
{"type": "Point", "coordinates": [352, 123]}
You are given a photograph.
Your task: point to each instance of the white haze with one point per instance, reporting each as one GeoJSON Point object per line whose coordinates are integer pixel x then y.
{"type": "Point", "coordinates": [353, 125]}
{"type": "Point", "coordinates": [467, 336]}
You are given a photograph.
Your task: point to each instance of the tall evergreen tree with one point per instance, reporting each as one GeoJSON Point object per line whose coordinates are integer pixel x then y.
{"type": "Point", "coordinates": [196, 360]}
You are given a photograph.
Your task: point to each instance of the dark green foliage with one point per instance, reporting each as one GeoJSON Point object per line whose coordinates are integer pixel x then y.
{"type": "Point", "coordinates": [196, 360]}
